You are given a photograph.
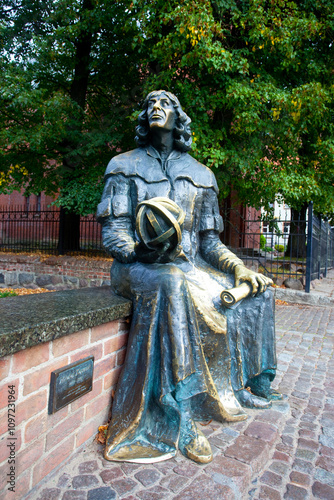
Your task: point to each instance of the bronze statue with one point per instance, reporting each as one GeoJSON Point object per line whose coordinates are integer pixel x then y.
{"type": "Point", "coordinates": [188, 357]}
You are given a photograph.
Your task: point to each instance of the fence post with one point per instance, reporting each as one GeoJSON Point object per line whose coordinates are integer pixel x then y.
{"type": "Point", "coordinates": [326, 261]}
{"type": "Point", "coordinates": [319, 247]}
{"type": "Point", "coordinates": [61, 249]}
{"type": "Point", "coordinates": [309, 248]}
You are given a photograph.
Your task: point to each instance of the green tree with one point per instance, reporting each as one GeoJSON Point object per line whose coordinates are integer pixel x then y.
{"type": "Point", "coordinates": [69, 82]}
{"type": "Point", "coordinates": [256, 77]}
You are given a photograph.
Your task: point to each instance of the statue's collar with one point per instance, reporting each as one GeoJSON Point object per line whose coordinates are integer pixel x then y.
{"type": "Point", "coordinates": [137, 163]}
{"type": "Point", "coordinates": [174, 155]}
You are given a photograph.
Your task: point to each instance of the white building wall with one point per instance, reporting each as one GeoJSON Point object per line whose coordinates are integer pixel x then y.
{"type": "Point", "coordinates": [278, 232]}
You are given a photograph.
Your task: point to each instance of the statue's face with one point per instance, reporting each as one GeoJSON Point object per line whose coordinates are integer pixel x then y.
{"type": "Point", "coordinates": [161, 113]}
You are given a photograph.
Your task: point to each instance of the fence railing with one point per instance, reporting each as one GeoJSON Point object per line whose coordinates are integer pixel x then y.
{"type": "Point", "coordinates": [280, 248]}
{"type": "Point", "coordinates": [37, 229]}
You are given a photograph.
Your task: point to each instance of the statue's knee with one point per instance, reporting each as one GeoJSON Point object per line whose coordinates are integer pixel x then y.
{"type": "Point", "coordinates": [172, 280]}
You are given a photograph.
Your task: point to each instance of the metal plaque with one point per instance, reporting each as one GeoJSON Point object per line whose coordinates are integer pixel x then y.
{"type": "Point", "coordinates": [70, 383]}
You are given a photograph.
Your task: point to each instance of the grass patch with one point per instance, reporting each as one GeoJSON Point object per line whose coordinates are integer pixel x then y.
{"type": "Point", "coordinates": [294, 260]}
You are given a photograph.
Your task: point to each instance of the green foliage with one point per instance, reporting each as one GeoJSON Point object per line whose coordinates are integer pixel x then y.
{"type": "Point", "coordinates": [254, 76]}
{"type": "Point", "coordinates": [11, 293]}
{"type": "Point", "coordinates": [69, 81]}
{"type": "Point", "coordinates": [263, 241]}
{"type": "Point", "coordinates": [280, 248]}
{"type": "Point", "coordinates": [268, 249]}
{"type": "Point", "coordinates": [256, 79]}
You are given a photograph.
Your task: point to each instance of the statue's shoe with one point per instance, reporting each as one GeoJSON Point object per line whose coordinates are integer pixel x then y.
{"type": "Point", "coordinates": [248, 400]}
{"type": "Point", "coordinates": [273, 395]}
{"type": "Point", "coordinates": [193, 444]}
{"type": "Point", "coordinates": [260, 386]}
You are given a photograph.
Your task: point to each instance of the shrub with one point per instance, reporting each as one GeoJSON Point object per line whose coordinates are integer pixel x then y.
{"type": "Point", "coordinates": [263, 242]}
{"type": "Point", "coordinates": [268, 249]}
{"type": "Point", "coordinates": [279, 248]}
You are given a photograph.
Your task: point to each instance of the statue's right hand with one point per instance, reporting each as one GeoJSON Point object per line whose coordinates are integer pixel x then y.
{"type": "Point", "coordinates": [145, 254]}
{"type": "Point", "coordinates": [257, 281]}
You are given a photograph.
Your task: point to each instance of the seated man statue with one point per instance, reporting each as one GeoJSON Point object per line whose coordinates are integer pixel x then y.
{"type": "Point", "coordinates": [188, 357]}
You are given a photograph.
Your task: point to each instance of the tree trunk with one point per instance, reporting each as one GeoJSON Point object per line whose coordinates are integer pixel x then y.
{"type": "Point", "coordinates": [69, 223]}
{"type": "Point", "coordinates": [69, 232]}
{"type": "Point", "coordinates": [297, 237]}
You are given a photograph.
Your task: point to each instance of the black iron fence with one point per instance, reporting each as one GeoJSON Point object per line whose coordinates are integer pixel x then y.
{"type": "Point", "coordinates": [320, 247]}
{"type": "Point", "coordinates": [37, 229]}
{"type": "Point", "coordinates": [282, 248]}
{"type": "Point", "coordinates": [301, 249]}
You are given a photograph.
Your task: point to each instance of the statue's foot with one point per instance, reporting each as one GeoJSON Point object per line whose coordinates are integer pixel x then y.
{"type": "Point", "coordinates": [248, 400]}
{"type": "Point", "coordinates": [193, 444]}
{"type": "Point", "coordinates": [273, 395]}
{"type": "Point", "coordinates": [260, 386]}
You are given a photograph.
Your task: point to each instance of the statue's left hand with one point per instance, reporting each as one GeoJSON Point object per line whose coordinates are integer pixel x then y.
{"type": "Point", "coordinates": [258, 282]}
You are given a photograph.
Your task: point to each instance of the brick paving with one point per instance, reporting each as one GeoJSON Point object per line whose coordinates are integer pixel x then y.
{"type": "Point", "coordinates": [286, 452]}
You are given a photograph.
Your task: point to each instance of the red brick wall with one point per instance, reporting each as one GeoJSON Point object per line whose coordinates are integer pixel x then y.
{"type": "Point", "coordinates": [242, 227]}
{"type": "Point", "coordinates": [252, 228]}
{"type": "Point", "coordinates": [17, 198]}
{"type": "Point", "coordinates": [43, 441]}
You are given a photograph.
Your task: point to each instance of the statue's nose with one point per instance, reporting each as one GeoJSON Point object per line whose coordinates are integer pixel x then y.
{"type": "Point", "coordinates": [156, 106]}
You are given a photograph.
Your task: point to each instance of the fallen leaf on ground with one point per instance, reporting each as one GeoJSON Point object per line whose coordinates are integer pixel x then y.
{"type": "Point", "coordinates": [282, 303]}
{"type": "Point", "coordinates": [102, 434]}
{"type": "Point", "coordinates": [25, 291]}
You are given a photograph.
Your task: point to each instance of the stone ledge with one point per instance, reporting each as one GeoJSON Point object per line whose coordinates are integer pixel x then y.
{"type": "Point", "coordinates": [299, 297]}
{"type": "Point", "coordinates": [32, 319]}
{"type": "Point", "coordinates": [53, 272]}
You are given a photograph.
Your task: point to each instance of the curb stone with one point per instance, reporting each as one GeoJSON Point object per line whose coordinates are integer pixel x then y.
{"type": "Point", "coordinates": [299, 297]}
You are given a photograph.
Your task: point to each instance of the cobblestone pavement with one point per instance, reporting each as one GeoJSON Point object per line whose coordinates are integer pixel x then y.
{"type": "Point", "coordinates": [324, 286]}
{"type": "Point", "coordinates": [283, 452]}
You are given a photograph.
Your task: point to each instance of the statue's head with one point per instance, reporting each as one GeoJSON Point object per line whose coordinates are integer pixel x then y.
{"type": "Point", "coordinates": [181, 121]}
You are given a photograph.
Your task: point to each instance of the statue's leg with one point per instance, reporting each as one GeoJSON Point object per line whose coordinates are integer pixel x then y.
{"type": "Point", "coordinates": [190, 372]}
{"type": "Point", "coordinates": [192, 442]}
{"type": "Point", "coordinates": [205, 285]}
{"type": "Point", "coordinates": [253, 351]}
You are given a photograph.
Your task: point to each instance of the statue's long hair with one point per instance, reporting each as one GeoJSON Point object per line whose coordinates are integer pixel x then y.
{"type": "Point", "coordinates": [182, 132]}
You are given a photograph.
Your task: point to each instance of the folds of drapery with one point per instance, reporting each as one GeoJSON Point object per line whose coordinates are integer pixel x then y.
{"type": "Point", "coordinates": [170, 356]}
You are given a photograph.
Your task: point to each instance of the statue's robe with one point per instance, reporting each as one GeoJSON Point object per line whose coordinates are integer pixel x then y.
{"type": "Point", "coordinates": [183, 344]}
